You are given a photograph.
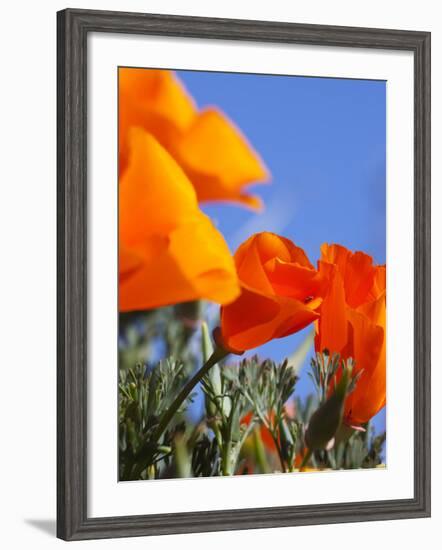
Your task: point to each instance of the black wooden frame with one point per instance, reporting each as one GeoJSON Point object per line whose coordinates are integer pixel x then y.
{"type": "Point", "coordinates": [73, 27]}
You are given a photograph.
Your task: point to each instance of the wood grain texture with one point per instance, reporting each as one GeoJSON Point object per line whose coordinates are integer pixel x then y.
{"type": "Point", "coordinates": [72, 29]}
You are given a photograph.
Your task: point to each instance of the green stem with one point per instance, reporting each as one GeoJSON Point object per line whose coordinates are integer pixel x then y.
{"type": "Point", "coordinates": [228, 456]}
{"type": "Point", "coordinates": [217, 355]}
{"type": "Point", "coordinates": [305, 460]}
{"type": "Point", "coordinates": [260, 454]}
{"type": "Point", "coordinates": [225, 459]}
{"type": "Point", "coordinates": [279, 451]}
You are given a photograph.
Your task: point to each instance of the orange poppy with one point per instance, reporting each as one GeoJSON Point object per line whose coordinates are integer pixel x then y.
{"type": "Point", "coordinates": [353, 324]}
{"type": "Point", "coordinates": [169, 251]}
{"type": "Point", "coordinates": [213, 153]}
{"type": "Point", "coordinates": [280, 293]}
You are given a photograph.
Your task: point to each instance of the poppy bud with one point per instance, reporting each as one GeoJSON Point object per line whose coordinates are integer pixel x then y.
{"type": "Point", "coordinates": [326, 420]}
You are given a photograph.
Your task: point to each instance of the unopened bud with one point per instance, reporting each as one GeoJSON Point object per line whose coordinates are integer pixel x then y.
{"type": "Point", "coordinates": [326, 420]}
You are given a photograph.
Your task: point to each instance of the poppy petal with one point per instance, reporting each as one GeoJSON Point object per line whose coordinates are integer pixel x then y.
{"type": "Point", "coordinates": [154, 100]}
{"type": "Point", "coordinates": [333, 324]}
{"type": "Point", "coordinates": [155, 195]}
{"type": "Point", "coordinates": [370, 357]}
{"type": "Point", "coordinates": [281, 274]}
{"type": "Point", "coordinates": [249, 266]}
{"type": "Point", "coordinates": [219, 160]}
{"type": "Point", "coordinates": [183, 257]}
{"type": "Point", "coordinates": [359, 278]}
{"type": "Point", "coordinates": [254, 319]}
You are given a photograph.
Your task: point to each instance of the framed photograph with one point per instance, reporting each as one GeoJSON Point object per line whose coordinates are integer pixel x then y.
{"type": "Point", "coordinates": [243, 274]}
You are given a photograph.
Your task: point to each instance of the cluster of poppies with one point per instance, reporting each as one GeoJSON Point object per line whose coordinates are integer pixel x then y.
{"type": "Point", "coordinates": [282, 293]}
{"type": "Point", "coordinates": [172, 157]}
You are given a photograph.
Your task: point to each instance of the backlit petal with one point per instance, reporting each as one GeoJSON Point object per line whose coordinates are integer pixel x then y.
{"type": "Point", "coordinates": [254, 319]}
{"type": "Point", "coordinates": [283, 275]}
{"type": "Point", "coordinates": [155, 195]}
{"type": "Point", "coordinates": [154, 100]}
{"type": "Point", "coordinates": [169, 250]}
{"type": "Point", "coordinates": [369, 352]}
{"type": "Point", "coordinates": [179, 271]}
{"type": "Point", "coordinates": [218, 159]}
{"type": "Point", "coordinates": [359, 278]}
{"type": "Point", "coordinates": [212, 151]}
{"type": "Point", "coordinates": [333, 324]}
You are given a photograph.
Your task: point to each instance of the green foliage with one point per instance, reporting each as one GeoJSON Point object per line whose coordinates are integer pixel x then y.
{"type": "Point", "coordinates": [252, 420]}
{"type": "Point", "coordinates": [171, 328]}
{"type": "Point", "coordinates": [268, 387]}
{"type": "Point", "coordinates": [145, 394]}
{"type": "Point", "coordinates": [362, 449]}
{"type": "Point", "coordinates": [350, 448]}
{"type": "Point", "coordinates": [327, 419]}
{"type": "Point", "coordinates": [253, 389]}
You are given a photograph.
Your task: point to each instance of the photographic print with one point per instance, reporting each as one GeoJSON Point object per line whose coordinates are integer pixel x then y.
{"type": "Point", "coordinates": [223, 255]}
{"type": "Point", "coordinates": [252, 276]}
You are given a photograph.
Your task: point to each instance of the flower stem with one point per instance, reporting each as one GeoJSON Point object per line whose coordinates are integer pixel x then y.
{"type": "Point", "coordinates": [278, 448]}
{"type": "Point", "coordinates": [218, 354]}
{"type": "Point", "coordinates": [226, 467]}
{"type": "Point", "coordinates": [305, 460]}
{"type": "Point", "coordinates": [260, 452]}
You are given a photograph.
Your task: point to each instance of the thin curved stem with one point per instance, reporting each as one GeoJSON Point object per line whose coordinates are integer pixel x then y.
{"type": "Point", "coordinates": [305, 460]}
{"type": "Point", "coordinates": [217, 355]}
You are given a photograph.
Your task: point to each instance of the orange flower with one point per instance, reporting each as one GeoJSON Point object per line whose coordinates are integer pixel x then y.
{"type": "Point", "coordinates": [280, 293]}
{"type": "Point", "coordinates": [353, 324]}
{"type": "Point", "coordinates": [209, 148]}
{"type": "Point", "coordinates": [169, 251]}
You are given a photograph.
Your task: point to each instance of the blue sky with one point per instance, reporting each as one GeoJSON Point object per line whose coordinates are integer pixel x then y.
{"type": "Point", "coordinates": [324, 141]}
